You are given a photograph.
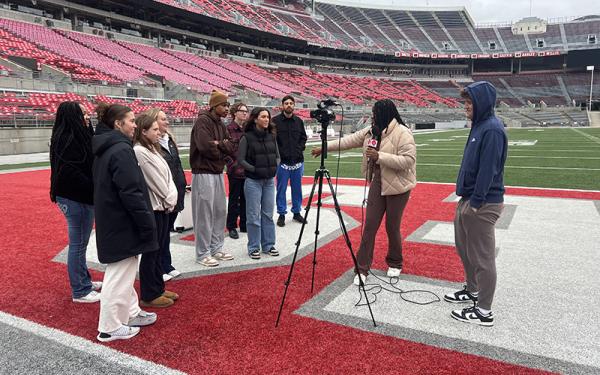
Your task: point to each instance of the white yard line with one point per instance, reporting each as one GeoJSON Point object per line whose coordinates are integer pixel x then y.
{"type": "Point", "coordinates": [86, 346]}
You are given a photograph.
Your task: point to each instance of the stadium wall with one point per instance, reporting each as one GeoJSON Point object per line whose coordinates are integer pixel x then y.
{"type": "Point", "coordinates": [28, 140]}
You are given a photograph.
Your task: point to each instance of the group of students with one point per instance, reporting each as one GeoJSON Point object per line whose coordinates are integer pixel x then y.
{"type": "Point", "coordinates": [127, 177]}
{"type": "Point", "coordinates": [255, 148]}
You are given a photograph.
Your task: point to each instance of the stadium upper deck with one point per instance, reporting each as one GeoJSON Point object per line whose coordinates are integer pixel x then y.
{"type": "Point", "coordinates": [437, 31]}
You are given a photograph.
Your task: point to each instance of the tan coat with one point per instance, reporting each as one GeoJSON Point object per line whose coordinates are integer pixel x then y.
{"type": "Point", "coordinates": [161, 188]}
{"type": "Point", "coordinates": [397, 156]}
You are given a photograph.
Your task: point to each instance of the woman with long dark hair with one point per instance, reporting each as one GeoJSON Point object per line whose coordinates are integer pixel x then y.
{"type": "Point", "coordinates": [390, 166]}
{"type": "Point", "coordinates": [125, 226]}
{"type": "Point", "coordinates": [259, 156]}
{"type": "Point", "coordinates": [72, 189]}
{"type": "Point", "coordinates": [163, 196]}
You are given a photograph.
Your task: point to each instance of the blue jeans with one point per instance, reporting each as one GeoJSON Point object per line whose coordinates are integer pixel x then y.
{"type": "Point", "coordinates": [260, 202]}
{"type": "Point", "coordinates": [295, 176]}
{"type": "Point", "coordinates": [80, 218]}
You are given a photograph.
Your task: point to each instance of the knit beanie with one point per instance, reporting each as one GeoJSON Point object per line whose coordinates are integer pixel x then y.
{"type": "Point", "coordinates": [216, 98]}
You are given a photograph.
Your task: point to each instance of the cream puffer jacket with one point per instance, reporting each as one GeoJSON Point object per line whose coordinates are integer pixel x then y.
{"type": "Point", "coordinates": [397, 156]}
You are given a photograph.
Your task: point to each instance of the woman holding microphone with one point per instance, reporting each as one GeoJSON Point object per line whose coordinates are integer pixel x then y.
{"type": "Point", "coordinates": [389, 163]}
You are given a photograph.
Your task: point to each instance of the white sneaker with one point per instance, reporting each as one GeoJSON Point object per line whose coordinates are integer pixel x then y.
{"type": "Point", "coordinates": [208, 262]}
{"type": "Point", "coordinates": [394, 272]}
{"type": "Point", "coordinates": [167, 277]}
{"type": "Point", "coordinates": [142, 319]}
{"type": "Point", "coordinates": [122, 333]}
{"type": "Point", "coordinates": [363, 277]}
{"type": "Point", "coordinates": [174, 273]}
{"type": "Point", "coordinates": [220, 255]}
{"type": "Point", "coordinates": [91, 297]}
{"type": "Point", "coordinates": [96, 285]}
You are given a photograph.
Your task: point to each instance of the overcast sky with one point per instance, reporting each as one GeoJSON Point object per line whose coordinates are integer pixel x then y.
{"type": "Point", "coordinates": [483, 11]}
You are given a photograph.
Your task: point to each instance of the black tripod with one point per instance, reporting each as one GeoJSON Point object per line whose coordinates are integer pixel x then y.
{"type": "Point", "coordinates": [321, 173]}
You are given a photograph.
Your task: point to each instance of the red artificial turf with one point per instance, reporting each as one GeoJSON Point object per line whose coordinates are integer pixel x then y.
{"type": "Point", "coordinates": [225, 323]}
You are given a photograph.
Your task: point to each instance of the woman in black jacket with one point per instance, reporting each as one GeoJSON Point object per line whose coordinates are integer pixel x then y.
{"type": "Point", "coordinates": [72, 189]}
{"type": "Point", "coordinates": [259, 156]}
{"type": "Point", "coordinates": [125, 226]}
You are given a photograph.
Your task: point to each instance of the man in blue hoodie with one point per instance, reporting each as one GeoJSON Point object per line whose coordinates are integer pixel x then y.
{"type": "Point", "coordinates": [480, 185]}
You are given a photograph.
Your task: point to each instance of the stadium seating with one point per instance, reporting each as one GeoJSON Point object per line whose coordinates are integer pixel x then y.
{"type": "Point", "coordinates": [18, 38]}
{"type": "Point", "coordinates": [377, 30]}
{"type": "Point", "coordinates": [44, 105]}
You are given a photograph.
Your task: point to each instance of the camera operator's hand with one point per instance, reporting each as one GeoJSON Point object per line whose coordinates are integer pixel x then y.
{"type": "Point", "coordinates": [316, 152]}
{"type": "Point", "coordinates": [372, 154]}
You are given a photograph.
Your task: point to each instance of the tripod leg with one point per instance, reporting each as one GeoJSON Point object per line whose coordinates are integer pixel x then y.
{"type": "Point", "coordinates": [319, 204]}
{"type": "Point", "coordinates": [348, 243]}
{"type": "Point", "coordinates": [289, 278]}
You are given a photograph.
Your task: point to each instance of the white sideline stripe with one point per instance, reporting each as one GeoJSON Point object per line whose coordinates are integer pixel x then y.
{"type": "Point", "coordinates": [523, 149]}
{"type": "Point", "coordinates": [518, 167]}
{"type": "Point", "coordinates": [525, 156]}
{"type": "Point", "coordinates": [588, 136]}
{"type": "Point", "coordinates": [75, 342]}
{"type": "Point", "coordinates": [458, 165]}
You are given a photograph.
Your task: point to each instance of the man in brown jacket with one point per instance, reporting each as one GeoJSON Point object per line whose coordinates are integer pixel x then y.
{"type": "Point", "coordinates": [209, 145]}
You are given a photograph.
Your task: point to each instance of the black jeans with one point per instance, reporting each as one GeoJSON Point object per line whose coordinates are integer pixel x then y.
{"type": "Point", "coordinates": [151, 282]}
{"type": "Point", "coordinates": [237, 204]}
{"type": "Point", "coordinates": [165, 251]}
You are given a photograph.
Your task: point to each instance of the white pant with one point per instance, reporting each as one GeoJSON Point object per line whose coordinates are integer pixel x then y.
{"type": "Point", "coordinates": [119, 301]}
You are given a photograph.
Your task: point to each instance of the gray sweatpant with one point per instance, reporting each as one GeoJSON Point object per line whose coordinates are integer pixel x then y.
{"type": "Point", "coordinates": [475, 239]}
{"type": "Point", "coordinates": [208, 212]}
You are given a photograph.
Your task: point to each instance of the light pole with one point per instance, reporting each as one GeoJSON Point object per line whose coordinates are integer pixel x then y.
{"type": "Point", "coordinates": [591, 67]}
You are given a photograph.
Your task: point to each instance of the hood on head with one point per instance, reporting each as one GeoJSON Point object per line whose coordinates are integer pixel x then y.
{"type": "Point", "coordinates": [483, 96]}
{"type": "Point", "coordinates": [106, 137]}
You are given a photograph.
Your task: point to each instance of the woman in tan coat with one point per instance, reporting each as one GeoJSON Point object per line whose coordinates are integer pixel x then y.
{"type": "Point", "coordinates": [163, 198]}
{"type": "Point", "coordinates": [390, 166]}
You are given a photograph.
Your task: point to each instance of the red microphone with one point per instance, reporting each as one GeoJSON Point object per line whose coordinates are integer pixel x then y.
{"type": "Point", "coordinates": [374, 141]}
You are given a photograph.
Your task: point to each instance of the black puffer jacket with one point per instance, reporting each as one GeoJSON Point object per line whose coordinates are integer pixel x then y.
{"type": "Point", "coordinates": [258, 154]}
{"type": "Point", "coordinates": [124, 218]}
{"type": "Point", "coordinates": [172, 158]}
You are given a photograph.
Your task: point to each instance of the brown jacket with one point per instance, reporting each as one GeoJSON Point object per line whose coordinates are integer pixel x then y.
{"type": "Point", "coordinates": [206, 157]}
{"type": "Point", "coordinates": [397, 156]}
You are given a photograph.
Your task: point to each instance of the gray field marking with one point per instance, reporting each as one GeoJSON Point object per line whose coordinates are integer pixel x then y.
{"type": "Point", "coordinates": [390, 311]}
{"type": "Point", "coordinates": [183, 251]}
{"type": "Point", "coordinates": [31, 348]}
{"type": "Point", "coordinates": [534, 281]}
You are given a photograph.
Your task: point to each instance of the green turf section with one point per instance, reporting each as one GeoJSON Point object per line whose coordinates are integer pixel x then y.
{"type": "Point", "coordinates": [24, 165]}
{"type": "Point", "coordinates": [550, 158]}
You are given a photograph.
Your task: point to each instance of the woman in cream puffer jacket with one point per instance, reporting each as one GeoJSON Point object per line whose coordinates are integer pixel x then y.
{"type": "Point", "coordinates": [391, 169]}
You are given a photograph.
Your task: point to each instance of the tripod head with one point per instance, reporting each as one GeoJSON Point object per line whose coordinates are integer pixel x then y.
{"type": "Point", "coordinates": [324, 115]}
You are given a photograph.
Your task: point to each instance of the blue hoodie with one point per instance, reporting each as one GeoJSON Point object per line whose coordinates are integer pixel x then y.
{"type": "Point", "coordinates": [480, 178]}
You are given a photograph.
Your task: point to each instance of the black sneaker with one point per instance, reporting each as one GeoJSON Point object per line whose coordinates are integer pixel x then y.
{"type": "Point", "coordinates": [461, 296]}
{"type": "Point", "coordinates": [299, 218]}
{"type": "Point", "coordinates": [273, 252]}
{"type": "Point", "coordinates": [234, 234]}
{"type": "Point", "coordinates": [281, 221]}
{"type": "Point", "coordinates": [255, 254]}
{"type": "Point", "coordinates": [474, 316]}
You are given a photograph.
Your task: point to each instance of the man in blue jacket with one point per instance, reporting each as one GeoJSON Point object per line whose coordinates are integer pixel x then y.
{"type": "Point", "coordinates": [480, 185]}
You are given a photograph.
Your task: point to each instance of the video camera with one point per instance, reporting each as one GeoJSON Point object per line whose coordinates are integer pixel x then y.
{"type": "Point", "coordinates": [324, 114]}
